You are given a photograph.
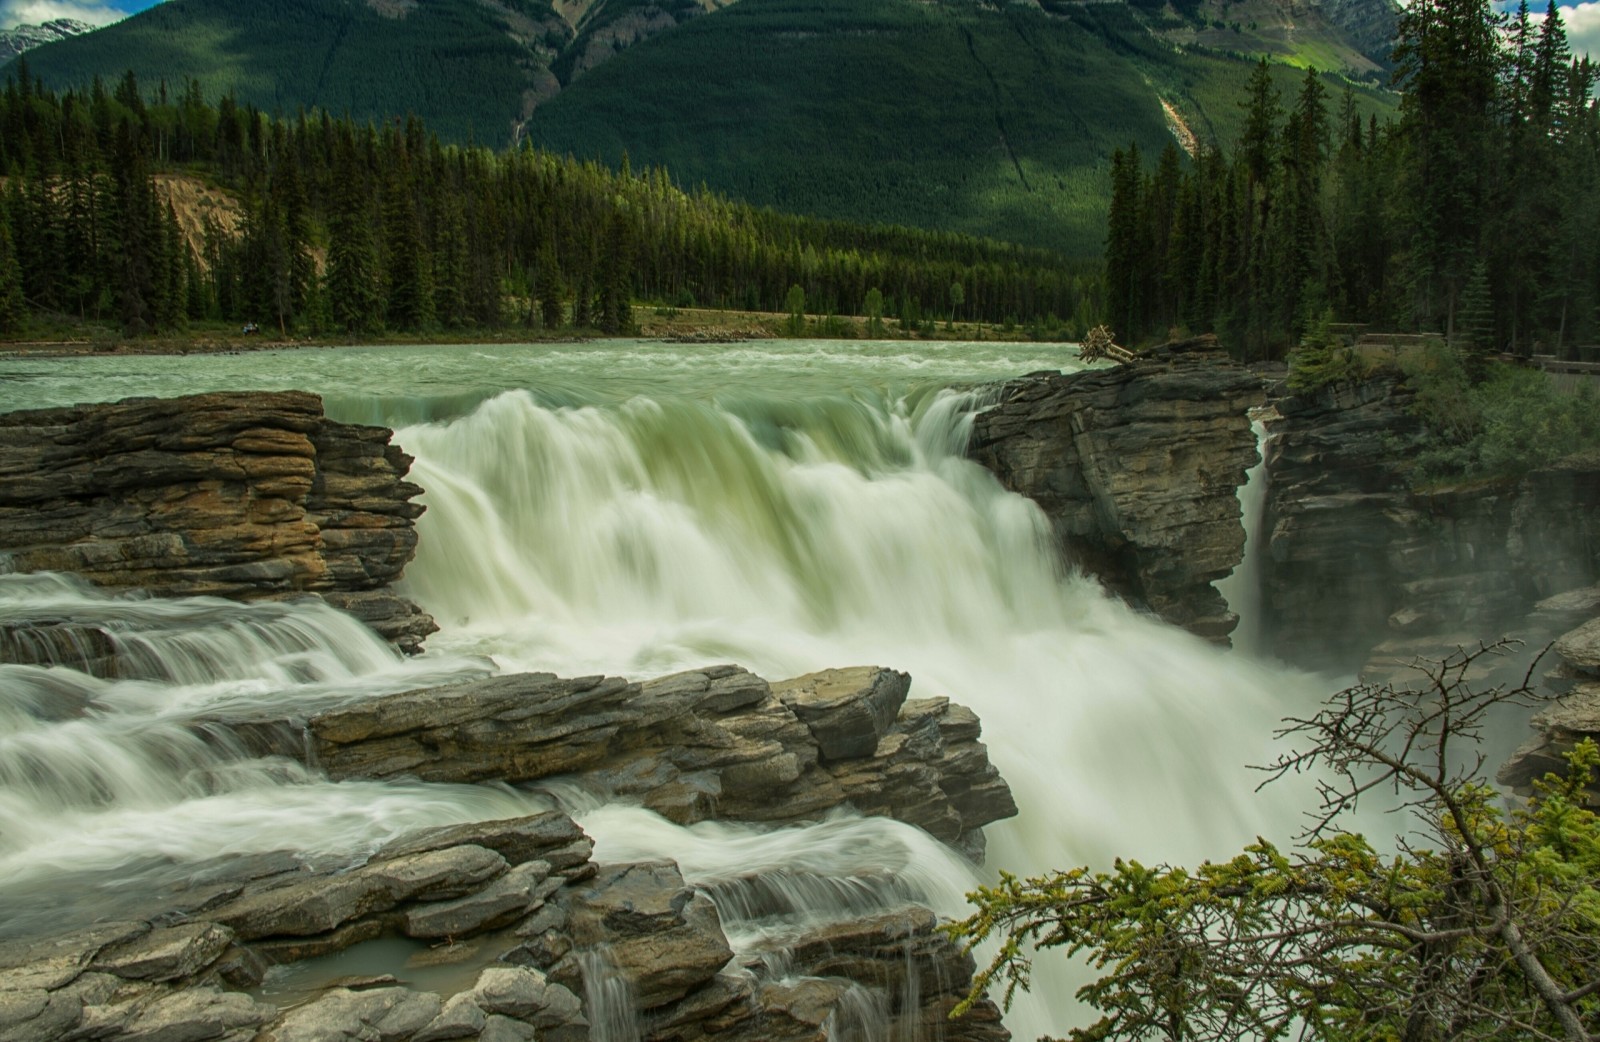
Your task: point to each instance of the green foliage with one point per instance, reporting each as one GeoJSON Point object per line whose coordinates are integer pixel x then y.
{"type": "Point", "coordinates": [993, 120]}
{"type": "Point", "coordinates": [1473, 215]}
{"type": "Point", "coordinates": [1483, 924]}
{"type": "Point", "coordinates": [414, 235]}
{"type": "Point", "coordinates": [1323, 359]}
{"type": "Point", "coordinates": [1510, 421]}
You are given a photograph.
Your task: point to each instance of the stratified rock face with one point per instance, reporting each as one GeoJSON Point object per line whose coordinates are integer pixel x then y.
{"type": "Point", "coordinates": [714, 743]}
{"type": "Point", "coordinates": [1138, 468]}
{"type": "Point", "coordinates": [242, 495]}
{"type": "Point", "coordinates": [1355, 558]}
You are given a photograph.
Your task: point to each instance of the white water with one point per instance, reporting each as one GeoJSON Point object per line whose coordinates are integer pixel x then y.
{"type": "Point", "coordinates": [640, 513]}
{"type": "Point", "coordinates": [660, 535]}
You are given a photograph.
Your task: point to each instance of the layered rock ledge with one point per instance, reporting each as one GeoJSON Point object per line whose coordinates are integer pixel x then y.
{"type": "Point", "coordinates": [1138, 469]}
{"type": "Point", "coordinates": [717, 743]}
{"type": "Point", "coordinates": [241, 495]}
{"type": "Point", "coordinates": [549, 945]}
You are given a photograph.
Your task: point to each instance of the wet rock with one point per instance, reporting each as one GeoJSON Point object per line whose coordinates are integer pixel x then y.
{"type": "Point", "coordinates": [198, 1015]}
{"type": "Point", "coordinates": [243, 495]}
{"type": "Point", "coordinates": [342, 1014]}
{"type": "Point", "coordinates": [461, 1017]}
{"type": "Point", "coordinates": [1137, 467]}
{"type": "Point", "coordinates": [658, 934]}
{"type": "Point", "coordinates": [712, 743]}
{"type": "Point", "coordinates": [498, 904]}
{"type": "Point", "coordinates": [551, 837]}
{"type": "Point", "coordinates": [846, 710]}
{"type": "Point", "coordinates": [167, 954]}
{"type": "Point", "coordinates": [1580, 648]}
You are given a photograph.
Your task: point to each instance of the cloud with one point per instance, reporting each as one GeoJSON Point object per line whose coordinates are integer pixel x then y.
{"type": "Point", "coordinates": [96, 12]}
{"type": "Point", "coordinates": [1582, 22]}
{"type": "Point", "coordinates": [1583, 28]}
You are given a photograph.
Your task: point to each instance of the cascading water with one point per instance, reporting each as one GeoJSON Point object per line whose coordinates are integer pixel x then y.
{"type": "Point", "coordinates": [794, 536]}
{"type": "Point", "coordinates": [136, 772]}
{"type": "Point", "coordinates": [636, 509]}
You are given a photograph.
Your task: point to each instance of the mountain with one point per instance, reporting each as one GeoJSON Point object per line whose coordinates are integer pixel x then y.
{"type": "Point", "coordinates": [26, 37]}
{"type": "Point", "coordinates": [993, 119]}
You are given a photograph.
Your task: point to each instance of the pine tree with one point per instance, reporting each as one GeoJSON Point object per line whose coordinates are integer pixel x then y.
{"type": "Point", "coordinates": [12, 308]}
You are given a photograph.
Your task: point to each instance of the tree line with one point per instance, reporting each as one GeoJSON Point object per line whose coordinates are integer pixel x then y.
{"type": "Point", "coordinates": [1475, 213]}
{"type": "Point", "coordinates": [356, 229]}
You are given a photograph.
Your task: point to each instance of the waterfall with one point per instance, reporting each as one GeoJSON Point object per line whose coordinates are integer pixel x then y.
{"type": "Point", "coordinates": [136, 770]}
{"type": "Point", "coordinates": [628, 508]}
{"type": "Point", "coordinates": [791, 536]}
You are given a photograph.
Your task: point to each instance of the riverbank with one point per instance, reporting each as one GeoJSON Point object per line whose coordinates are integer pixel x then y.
{"type": "Point", "coordinates": [690, 325]}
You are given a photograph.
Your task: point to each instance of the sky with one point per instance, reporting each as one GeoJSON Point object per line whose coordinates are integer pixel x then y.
{"type": "Point", "coordinates": [98, 12]}
{"type": "Point", "coordinates": [1582, 19]}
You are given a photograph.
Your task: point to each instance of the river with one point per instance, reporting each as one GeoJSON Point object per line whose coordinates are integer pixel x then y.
{"type": "Point", "coordinates": [637, 508]}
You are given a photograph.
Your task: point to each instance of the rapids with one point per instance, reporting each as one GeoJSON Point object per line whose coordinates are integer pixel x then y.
{"type": "Point", "coordinates": [635, 509]}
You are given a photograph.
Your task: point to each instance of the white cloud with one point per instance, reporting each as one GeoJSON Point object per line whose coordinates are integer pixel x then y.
{"type": "Point", "coordinates": [1581, 20]}
{"type": "Point", "coordinates": [31, 12]}
{"type": "Point", "coordinates": [1583, 28]}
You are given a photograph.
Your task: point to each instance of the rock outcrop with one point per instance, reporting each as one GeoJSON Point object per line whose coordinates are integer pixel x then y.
{"type": "Point", "coordinates": [1573, 716]}
{"type": "Point", "coordinates": [1354, 557]}
{"type": "Point", "coordinates": [553, 945]}
{"type": "Point", "coordinates": [242, 495]}
{"type": "Point", "coordinates": [713, 743]}
{"type": "Point", "coordinates": [1138, 468]}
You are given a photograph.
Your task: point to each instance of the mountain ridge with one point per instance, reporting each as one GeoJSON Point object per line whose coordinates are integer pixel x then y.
{"type": "Point", "coordinates": [14, 42]}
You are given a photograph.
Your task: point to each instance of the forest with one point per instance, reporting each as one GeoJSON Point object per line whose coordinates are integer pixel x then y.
{"type": "Point", "coordinates": [357, 229]}
{"type": "Point", "coordinates": [1474, 214]}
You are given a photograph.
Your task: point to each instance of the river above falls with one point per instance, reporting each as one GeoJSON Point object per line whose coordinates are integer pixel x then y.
{"type": "Point", "coordinates": [636, 508]}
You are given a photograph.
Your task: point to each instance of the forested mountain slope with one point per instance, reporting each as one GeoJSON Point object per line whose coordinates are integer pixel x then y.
{"type": "Point", "coordinates": [990, 119]}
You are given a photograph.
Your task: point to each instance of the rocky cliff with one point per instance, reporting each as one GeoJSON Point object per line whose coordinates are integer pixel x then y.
{"type": "Point", "coordinates": [1575, 714]}
{"type": "Point", "coordinates": [1138, 468]}
{"type": "Point", "coordinates": [1354, 557]}
{"type": "Point", "coordinates": [247, 496]}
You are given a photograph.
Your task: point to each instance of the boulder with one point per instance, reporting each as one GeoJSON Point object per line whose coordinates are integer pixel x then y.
{"type": "Point", "coordinates": [1580, 648]}
{"type": "Point", "coordinates": [846, 710]}
{"type": "Point", "coordinates": [643, 923]}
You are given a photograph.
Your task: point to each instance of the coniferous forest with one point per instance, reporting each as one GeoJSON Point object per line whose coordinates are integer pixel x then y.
{"type": "Point", "coordinates": [1475, 214]}
{"type": "Point", "coordinates": [357, 229]}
